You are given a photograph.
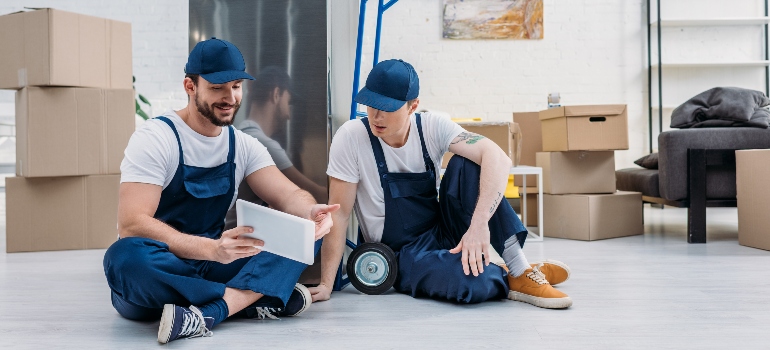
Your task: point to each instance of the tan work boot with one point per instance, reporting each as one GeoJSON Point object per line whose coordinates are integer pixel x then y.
{"type": "Point", "coordinates": [555, 271]}
{"type": "Point", "coordinates": [532, 287]}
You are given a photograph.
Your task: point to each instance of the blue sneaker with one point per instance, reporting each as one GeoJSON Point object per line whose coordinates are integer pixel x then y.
{"type": "Point", "coordinates": [273, 308]}
{"type": "Point", "coordinates": [181, 322]}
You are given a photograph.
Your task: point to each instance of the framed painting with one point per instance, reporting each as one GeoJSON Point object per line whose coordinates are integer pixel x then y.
{"type": "Point", "coordinates": [493, 19]}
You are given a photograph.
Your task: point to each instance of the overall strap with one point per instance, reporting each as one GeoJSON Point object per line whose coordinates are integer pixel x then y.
{"type": "Point", "coordinates": [425, 154]}
{"type": "Point", "coordinates": [231, 152]}
{"type": "Point", "coordinates": [173, 128]}
{"type": "Point", "coordinates": [379, 155]}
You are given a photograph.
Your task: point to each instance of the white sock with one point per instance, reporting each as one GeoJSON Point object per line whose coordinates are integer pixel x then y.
{"type": "Point", "coordinates": [514, 257]}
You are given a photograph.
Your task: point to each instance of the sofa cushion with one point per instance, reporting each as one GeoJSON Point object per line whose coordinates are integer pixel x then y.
{"type": "Point", "coordinates": [638, 180]}
{"type": "Point", "coordinates": [720, 181]}
{"type": "Point", "coordinates": [649, 161]}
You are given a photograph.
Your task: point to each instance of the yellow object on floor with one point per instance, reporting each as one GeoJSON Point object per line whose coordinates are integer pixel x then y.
{"type": "Point", "coordinates": [465, 120]}
{"type": "Point", "coordinates": [511, 191]}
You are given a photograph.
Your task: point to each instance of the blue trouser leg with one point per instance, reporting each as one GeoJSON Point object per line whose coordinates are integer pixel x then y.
{"type": "Point", "coordinates": [458, 194]}
{"type": "Point", "coordinates": [426, 268]}
{"type": "Point", "coordinates": [144, 275]}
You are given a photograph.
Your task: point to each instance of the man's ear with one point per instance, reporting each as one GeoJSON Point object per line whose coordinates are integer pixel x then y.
{"type": "Point", "coordinates": [414, 105]}
{"type": "Point", "coordinates": [189, 86]}
{"type": "Point", "coordinates": [276, 95]}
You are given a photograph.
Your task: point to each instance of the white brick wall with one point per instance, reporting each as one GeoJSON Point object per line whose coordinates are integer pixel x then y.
{"type": "Point", "coordinates": [593, 51]}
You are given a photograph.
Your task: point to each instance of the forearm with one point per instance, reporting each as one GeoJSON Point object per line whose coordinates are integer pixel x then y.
{"type": "Point", "coordinates": [298, 203]}
{"type": "Point", "coordinates": [333, 248]}
{"type": "Point", "coordinates": [182, 245]}
{"type": "Point", "coordinates": [495, 167]}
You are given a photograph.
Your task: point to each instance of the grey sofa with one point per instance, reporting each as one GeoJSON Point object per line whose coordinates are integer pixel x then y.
{"type": "Point", "coordinates": [696, 169]}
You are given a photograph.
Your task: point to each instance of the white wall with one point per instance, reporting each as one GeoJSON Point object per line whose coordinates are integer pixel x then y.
{"type": "Point", "coordinates": [593, 52]}
{"type": "Point", "coordinates": [706, 44]}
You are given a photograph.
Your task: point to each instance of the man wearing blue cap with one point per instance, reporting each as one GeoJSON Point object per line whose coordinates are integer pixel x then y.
{"type": "Point", "coordinates": [180, 175]}
{"type": "Point", "coordinates": [386, 166]}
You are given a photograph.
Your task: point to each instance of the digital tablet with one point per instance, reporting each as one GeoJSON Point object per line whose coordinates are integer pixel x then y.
{"type": "Point", "coordinates": [284, 234]}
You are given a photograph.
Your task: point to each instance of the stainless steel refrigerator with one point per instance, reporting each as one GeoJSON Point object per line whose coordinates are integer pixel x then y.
{"type": "Point", "coordinates": [289, 36]}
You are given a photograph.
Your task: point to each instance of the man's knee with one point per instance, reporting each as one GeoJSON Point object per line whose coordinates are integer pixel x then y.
{"type": "Point", "coordinates": [477, 289]}
{"type": "Point", "coordinates": [470, 289]}
{"type": "Point", "coordinates": [131, 255]}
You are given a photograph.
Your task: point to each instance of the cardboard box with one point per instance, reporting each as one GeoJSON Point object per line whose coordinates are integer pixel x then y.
{"type": "Point", "coordinates": [61, 213]}
{"type": "Point", "coordinates": [531, 143]}
{"type": "Point", "coordinates": [585, 128]}
{"type": "Point", "coordinates": [517, 205]}
{"type": "Point", "coordinates": [507, 135]}
{"type": "Point", "coordinates": [751, 169]}
{"type": "Point", "coordinates": [589, 217]}
{"type": "Point", "coordinates": [577, 172]}
{"type": "Point", "coordinates": [48, 47]}
{"type": "Point", "coordinates": [72, 131]}
{"type": "Point", "coordinates": [531, 193]}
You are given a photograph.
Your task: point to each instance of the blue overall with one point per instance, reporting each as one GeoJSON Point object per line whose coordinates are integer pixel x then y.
{"type": "Point", "coordinates": [144, 275]}
{"type": "Point", "coordinates": [421, 229]}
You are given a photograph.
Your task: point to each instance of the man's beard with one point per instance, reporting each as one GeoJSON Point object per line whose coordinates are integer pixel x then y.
{"type": "Point", "coordinates": [208, 112]}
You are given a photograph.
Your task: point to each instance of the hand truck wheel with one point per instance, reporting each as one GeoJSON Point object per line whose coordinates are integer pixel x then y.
{"type": "Point", "coordinates": [372, 268]}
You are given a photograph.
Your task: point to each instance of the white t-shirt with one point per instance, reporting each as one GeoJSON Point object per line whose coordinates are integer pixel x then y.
{"type": "Point", "coordinates": [351, 159]}
{"type": "Point", "coordinates": [277, 152]}
{"type": "Point", "coordinates": [152, 155]}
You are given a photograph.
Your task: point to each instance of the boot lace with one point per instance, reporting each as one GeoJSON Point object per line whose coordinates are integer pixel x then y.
{"type": "Point", "coordinates": [193, 325]}
{"type": "Point", "coordinates": [537, 275]}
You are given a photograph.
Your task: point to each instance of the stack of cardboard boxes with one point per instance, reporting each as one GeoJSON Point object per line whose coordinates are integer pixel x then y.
{"type": "Point", "coordinates": [580, 200]}
{"type": "Point", "coordinates": [74, 116]}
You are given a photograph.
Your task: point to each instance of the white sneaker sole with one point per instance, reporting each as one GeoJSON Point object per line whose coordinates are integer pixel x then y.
{"type": "Point", "coordinates": [166, 323]}
{"type": "Point", "coordinates": [306, 295]}
{"type": "Point", "coordinates": [559, 264]}
{"type": "Point", "coordinates": [546, 303]}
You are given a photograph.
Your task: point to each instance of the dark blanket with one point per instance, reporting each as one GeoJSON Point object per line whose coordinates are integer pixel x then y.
{"type": "Point", "coordinates": [723, 107]}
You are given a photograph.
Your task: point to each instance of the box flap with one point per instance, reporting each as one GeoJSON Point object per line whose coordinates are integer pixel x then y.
{"type": "Point", "coordinates": [120, 55]}
{"type": "Point", "coordinates": [65, 48]}
{"type": "Point", "coordinates": [93, 51]}
{"type": "Point", "coordinates": [463, 124]}
{"type": "Point", "coordinates": [551, 113]}
{"type": "Point", "coordinates": [27, 9]}
{"type": "Point", "coordinates": [592, 110]}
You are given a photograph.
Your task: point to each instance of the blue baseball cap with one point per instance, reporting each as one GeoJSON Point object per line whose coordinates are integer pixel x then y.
{"type": "Point", "coordinates": [389, 85]}
{"type": "Point", "coordinates": [218, 61]}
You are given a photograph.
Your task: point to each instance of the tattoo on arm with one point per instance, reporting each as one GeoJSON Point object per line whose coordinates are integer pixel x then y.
{"type": "Point", "coordinates": [469, 138]}
{"type": "Point", "coordinates": [497, 201]}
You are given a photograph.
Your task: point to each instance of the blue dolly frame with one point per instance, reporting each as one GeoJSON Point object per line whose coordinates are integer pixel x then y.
{"type": "Point", "coordinates": [342, 280]}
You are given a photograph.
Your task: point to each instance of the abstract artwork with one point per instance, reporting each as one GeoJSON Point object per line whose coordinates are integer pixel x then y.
{"type": "Point", "coordinates": [493, 19]}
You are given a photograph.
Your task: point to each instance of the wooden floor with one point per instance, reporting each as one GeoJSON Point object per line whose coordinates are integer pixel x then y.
{"type": "Point", "coordinates": [645, 292]}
